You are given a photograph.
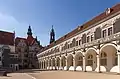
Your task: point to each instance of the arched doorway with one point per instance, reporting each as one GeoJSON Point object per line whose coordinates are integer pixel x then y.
{"type": "Point", "coordinates": [57, 63]}
{"type": "Point", "coordinates": [70, 62]}
{"type": "Point", "coordinates": [91, 59]}
{"type": "Point", "coordinates": [108, 57]}
{"type": "Point", "coordinates": [53, 63]}
{"type": "Point", "coordinates": [50, 64]}
{"type": "Point", "coordinates": [46, 64]}
{"type": "Point", "coordinates": [63, 62]}
{"type": "Point", "coordinates": [79, 61]}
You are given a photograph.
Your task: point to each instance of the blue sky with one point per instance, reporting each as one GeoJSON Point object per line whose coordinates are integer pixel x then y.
{"type": "Point", "coordinates": [65, 15]}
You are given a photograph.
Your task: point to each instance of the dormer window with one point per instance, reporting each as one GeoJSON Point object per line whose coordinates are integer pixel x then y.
{"type": "Point", "coordinates": [108, 11]}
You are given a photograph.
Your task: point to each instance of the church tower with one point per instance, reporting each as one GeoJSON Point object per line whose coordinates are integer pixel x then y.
{"type": "Point", "coordinates": [52, 35]}
{"type": "Point", "coordinates": [29, 33]}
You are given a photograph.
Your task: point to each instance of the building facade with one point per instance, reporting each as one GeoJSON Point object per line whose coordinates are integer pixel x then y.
{"type": "Point", "coordinates": [8, 57]}
{"type": "Point", "coordinates": [93, 46]}
{"type": "Point", "coordinates": [27, 48]}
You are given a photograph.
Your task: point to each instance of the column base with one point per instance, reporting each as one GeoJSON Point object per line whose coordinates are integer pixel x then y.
{"type": "Point", "coordinates": [99, 72]}
{"type": "Point", "coordinates": [118, 73]}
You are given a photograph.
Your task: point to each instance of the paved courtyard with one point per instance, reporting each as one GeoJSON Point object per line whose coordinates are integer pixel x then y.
{"type": "Point", "coordinates": [73, 75]}
{"type": "Point", "coordinates": [61, 75]}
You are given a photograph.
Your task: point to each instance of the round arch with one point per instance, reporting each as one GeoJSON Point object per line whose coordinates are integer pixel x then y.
{"type": "Point", "coordinates": [57, 62]}
{"type": "Point", "coordinates": [63, 62]}
{"type": "Point", "coordinates": [53, 63]}
{"type": "Point", "coordinates": [91, 60]}
{"type": "Point", "coordinates": [108, 56]}
{"type": "Point", "coordinates": [69, 61]}
{"type": "Point", "coordinates": [79, 61]}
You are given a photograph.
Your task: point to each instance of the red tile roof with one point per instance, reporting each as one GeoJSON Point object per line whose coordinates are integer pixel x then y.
{"type": "Point", "coordinates": [96, 19]}
{"type": "Point", "coordinates": [30, 40]}
{"type": "Point", "coordinates": [7, 38]}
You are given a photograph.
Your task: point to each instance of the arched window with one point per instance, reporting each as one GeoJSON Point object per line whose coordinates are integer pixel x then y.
{"type": "Point", "coordinates": [73, 42]}
{"type": "Point", "coordinates": [103, 59]}
{"type": "Point", "coordinates": [90, 60]}
{"type": "Point", "coordinates": [80, 61]}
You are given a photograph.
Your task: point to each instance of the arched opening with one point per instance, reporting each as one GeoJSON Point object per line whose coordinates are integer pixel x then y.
{"type": "Point", "coordinates": [91, 60]}
{"type": "Point", "coordinates": [70, 62]}
{"type": "Point", "coordinates": [79, 61]}
{"type": "Point", "coordinates": [63, 62]}
{"type": "Point", "coordinates": [39, 64]}
{"type": "Point", "coordinates": [47, 64]}
{"type": "Point", "coordinates": [53, 63]}
{"type": "Point", "coordinates": [44, 64]}
{"type": "Point", "coordinates": [108, 57]}
{"type": "Point", "coordinates": [50, 64]}
{"type": "Point", "coordinates": [57, 62]}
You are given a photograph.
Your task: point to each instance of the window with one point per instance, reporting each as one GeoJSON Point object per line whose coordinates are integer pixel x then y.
{"type": "Point", "coordinates": [80, 61]}
{"type": "Point", "coordinates": [104, 33]}
{"type": "Point", "coordinates": [103, 59]}
{"type": "Point", "coordinates": [76, 43]}
{"type": "Point", "coordinates": [70, 45]}
{"type": "Point", "coordinates": [0, 58]}
{"type": "Point", "coordinates": [88, 38]}
{"type": "Point", "coordinates": [110, 31]}
{"type": "Point", "coordinates": [79, 42]}
{"type": "Point", "coordinates": [92, 38]}
{"type": "Point", "coordinates": [90, 60]}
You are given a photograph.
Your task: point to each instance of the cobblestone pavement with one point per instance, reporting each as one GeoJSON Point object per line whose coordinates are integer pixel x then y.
{"type": "Point", "coordinates": [73, 75]}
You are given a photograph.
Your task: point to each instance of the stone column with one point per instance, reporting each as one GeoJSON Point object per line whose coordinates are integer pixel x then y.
{"type": "Point", "coordinates": [67, 65]}
{"type": "Point", "coordinates": [84, 64]}
{"type": "Point", "coordinates": [51, 64]}
{"type": "Point", "coordinates": [55, 64]}
{"type": "Point", "coordinates": [98, 63]}
{"type": "Point", "coordinates": [74, 64]}
{"type": "Point", "coordinates": [118, 53]}
{"type": "Point", "coordinates": [60, 68]}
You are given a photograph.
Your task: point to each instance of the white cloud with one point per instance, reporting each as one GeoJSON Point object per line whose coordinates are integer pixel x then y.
{"type": "Point", "coordinates": [9, 23]}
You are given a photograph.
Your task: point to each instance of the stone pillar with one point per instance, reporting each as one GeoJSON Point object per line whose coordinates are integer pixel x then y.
{"type": "Point", "coordinates": [45, 65]}
{"type": "Point", "coordinates": [67, 65]}
{"type": "Point", "coordinates": [60, 68]}
{"type": "Point", "coordinates": [98, 63]}
{"type": "Point", "coordinates": [51, 64]}
{"type": "Point", "coordinates": [55, 64]}
{"type": "Point", "coordinates": [84, 64]}
{"type": "Point", "coordinates": [118, 62]}
{"type": "Point", "coordinates": [74, 64]}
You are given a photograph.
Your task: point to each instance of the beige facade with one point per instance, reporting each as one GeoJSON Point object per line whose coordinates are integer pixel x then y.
{"type": "Point", "coordinates": [94, 48]}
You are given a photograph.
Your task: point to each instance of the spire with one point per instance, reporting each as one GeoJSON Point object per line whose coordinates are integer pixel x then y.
{"type": "Point", "coordinates": [29, 31]}
{"type": "Point", "coordinates": [52, 35]}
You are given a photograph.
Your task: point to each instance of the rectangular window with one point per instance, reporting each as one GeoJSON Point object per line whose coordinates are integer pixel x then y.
{"type": "Point", "coordinates": [76, 43]}
{"type": "Point", "coordinates": [88, 38]}
{"type": "Point", "coordinates": [104, 33]}
{"type": "Point", "coordinates": [92, 38]}
{"type": "Point", "coordinates": [70, 45]}
{"type": "Point", "coordinates": [110, 31]}
{"type": "Point", "coordinates": [79, 42]}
